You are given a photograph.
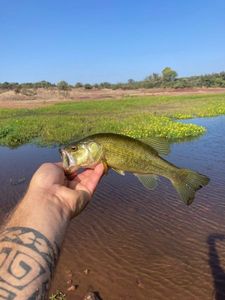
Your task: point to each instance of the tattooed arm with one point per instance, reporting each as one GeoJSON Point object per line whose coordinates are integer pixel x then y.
{"type": "Point", "coordinates": [31, 239]}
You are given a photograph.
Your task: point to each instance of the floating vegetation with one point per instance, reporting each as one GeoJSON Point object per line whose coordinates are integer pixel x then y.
{"type": "Point", "coordinates": [161, 127]}
{"type": "Point", "coordinates": [137, 117]}
{"type": "Point", "coordinates": [58, 296]}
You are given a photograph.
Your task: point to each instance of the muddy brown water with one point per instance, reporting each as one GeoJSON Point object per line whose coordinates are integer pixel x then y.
{"type": "Point", "coordinates": [137, 244]}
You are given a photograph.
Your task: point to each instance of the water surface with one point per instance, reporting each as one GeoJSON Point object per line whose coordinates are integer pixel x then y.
{"type": "Point", "coordinates": [140, 244]}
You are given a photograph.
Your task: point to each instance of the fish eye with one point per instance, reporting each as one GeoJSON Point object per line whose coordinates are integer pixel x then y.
{"type": "Point", "coordinates": [74, 147]}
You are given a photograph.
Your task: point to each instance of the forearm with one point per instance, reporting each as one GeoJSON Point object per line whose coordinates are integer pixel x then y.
{"type": "Point", "coordinates": [29, 245]}
{"type": "Point", "coordinates": [30, 240]}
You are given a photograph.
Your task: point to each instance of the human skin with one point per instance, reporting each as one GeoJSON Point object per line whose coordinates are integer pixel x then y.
{"type": "Point", "coordinates": [31, 239]}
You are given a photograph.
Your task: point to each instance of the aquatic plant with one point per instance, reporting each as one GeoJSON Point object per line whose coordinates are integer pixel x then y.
{"type": "Point", "coordinates": [134, 116]}
{"type": "Point", "coordinates": [58, 296]}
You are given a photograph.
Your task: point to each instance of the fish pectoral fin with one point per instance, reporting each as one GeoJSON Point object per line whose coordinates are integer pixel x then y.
{"type": "Point", "coordinates": [161, 145]}
{"type": "Point", "coordinates": [148, 180]}
{"type": "Point", "coordinates": [119, 171]}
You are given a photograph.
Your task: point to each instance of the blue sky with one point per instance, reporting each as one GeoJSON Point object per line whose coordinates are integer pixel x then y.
{"type": "Point", "coordinates": [101, 40]}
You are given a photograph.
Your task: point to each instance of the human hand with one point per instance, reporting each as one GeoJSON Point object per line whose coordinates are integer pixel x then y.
{"type": "Point", "coordinates": [72, 194]}
{"type": "Point", "coordinates": [38, 225]}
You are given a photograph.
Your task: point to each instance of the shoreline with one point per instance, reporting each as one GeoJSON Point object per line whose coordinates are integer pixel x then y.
{"type": "Point", "coordinates": [45, 97]}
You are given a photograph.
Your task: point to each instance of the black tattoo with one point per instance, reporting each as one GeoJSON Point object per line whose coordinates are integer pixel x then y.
{"type": "Point", "coordinates": [21, 267]}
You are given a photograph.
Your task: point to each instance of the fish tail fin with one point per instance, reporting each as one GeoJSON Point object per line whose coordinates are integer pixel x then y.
{"type": "Point", "coordinates": [187, 182]}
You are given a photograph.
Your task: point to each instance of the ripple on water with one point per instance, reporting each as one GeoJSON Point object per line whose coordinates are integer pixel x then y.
{"type": "Point", "coordinates": [141, 244]}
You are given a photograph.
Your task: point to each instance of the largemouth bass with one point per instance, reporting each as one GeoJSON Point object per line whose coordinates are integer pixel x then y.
{"type": "Point", "coordinates": [125, 154]}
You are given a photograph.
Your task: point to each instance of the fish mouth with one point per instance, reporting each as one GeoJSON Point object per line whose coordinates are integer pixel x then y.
{"type": "Point", "coordinates": [69, 163]}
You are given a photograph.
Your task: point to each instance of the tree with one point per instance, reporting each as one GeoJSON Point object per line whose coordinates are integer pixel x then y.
{"type": "Point", "coordinates": [153, 77]}
{"type": "Point", "coordinates": [156, 76]}
{"type": "Point", "coordinates": [168, 74]}
{"type": "Point", "coordinates": [42, 84]}
{"type": "Point", "coordinates": [63, 85]}
{"type": "Point", "coordinates": [105, 85]}
{"type": "Point", "coordinates": [88, 86]}
{"type": "Point", "coordinates": [78, 85]}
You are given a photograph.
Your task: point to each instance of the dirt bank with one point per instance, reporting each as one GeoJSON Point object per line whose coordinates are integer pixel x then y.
{"type": "Point", "coordinates": [40, 97]}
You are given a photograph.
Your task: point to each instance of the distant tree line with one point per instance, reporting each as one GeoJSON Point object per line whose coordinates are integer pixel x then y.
{"type": "Point", "coordinates": [168, 78]}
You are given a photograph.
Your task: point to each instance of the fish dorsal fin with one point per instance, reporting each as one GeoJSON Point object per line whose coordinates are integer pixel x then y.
{"type": "Point", "coordinates": [119, 171]}
{"type": "Point", "coordinates": [161, 145]}
{"type": "Point", "coordinates": [148, 180]}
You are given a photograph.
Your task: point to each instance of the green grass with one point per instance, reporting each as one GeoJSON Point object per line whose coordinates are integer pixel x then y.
{"type": "Point", "coordinates": [58, 296]}
{"type": "Point", "coordinates": [137, 117]}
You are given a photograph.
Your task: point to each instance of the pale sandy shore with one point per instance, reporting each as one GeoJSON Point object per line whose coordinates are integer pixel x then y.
{"type": "Point", "coordinates": [41, 97]}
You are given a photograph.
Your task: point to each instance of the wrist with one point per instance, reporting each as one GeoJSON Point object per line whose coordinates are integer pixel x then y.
{"type": "Point", "coordinates": [43, 211]}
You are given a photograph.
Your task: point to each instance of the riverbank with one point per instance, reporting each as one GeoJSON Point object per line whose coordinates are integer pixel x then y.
{"type": "Point", "coordinates": [134, 116]}
{"type": "Point", "coordinates": [41, 97]}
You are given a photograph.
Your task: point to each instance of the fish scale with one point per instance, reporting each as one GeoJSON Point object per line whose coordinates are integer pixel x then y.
{"type": "Point", "coordinates": [126, 154]}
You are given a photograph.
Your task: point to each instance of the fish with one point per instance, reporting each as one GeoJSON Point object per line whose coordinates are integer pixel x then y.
{"type": "Point", "coordinates": [143, 158]}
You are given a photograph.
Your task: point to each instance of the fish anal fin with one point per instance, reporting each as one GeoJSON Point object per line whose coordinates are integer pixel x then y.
{"type": "Point", "coordinates": [161, 145]}
{"type": "Point", "coordinates": [119, 171]}
{"type": "Point", "coordinates": [148, 180]}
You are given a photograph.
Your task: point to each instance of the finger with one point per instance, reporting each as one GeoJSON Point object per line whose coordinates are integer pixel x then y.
{"type": "Point", "coordinates": [59, 164]}
{"type": "Point", "coordinates": [88, 179]}
{"type": "Point", "coordinates": [85, 174]}
{"type": "Point", "coordinates": [97, 171]}
{"type": "Point", "coordinates": [81, 203]}
{"type": "Point", "coordinates": [73, 183]}
{"type": "Point", "coordinates": [91, 179]}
